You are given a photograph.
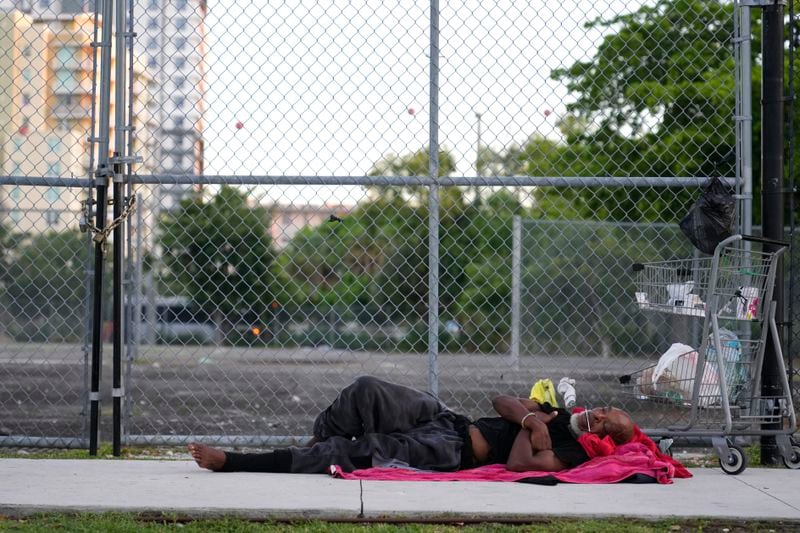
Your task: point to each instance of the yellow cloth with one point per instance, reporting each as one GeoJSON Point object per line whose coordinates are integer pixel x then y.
{"type": "Point", "coordinates": [544, 391]}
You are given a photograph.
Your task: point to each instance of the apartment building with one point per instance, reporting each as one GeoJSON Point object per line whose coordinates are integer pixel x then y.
{"type": "Point", "coordinates": [171, 46]}
{"type": "Point", "coordinates": [288, 220]}
{"type": "Point", "coordinates": [48, 87]}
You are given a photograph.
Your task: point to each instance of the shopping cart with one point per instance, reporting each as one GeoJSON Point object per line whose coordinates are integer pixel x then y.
{"type": "Point", "coordinates": [720, 382]}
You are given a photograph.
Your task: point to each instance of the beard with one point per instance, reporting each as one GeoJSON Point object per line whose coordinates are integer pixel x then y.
{"type": "Point", "coordinates": [573, 424]}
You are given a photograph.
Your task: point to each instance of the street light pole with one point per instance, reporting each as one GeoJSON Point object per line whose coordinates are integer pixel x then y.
{"type": "Point", "coordinates": [478, 162]}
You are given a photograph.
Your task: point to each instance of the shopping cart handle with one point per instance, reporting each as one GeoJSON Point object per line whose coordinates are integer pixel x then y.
{"type": "Point", "coordinates": [753, 238]}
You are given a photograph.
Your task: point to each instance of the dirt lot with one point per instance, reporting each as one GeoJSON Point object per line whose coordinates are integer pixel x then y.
{"type": "Point", "coordinates": [258, 395]}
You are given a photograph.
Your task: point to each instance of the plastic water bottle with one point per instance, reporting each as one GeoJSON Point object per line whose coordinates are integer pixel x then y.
{"type": "Point", "coordinates": [566, 388]}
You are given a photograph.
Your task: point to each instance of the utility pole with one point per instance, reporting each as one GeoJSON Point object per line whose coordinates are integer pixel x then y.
{"type": "Point", "coordinates": [772, 200]}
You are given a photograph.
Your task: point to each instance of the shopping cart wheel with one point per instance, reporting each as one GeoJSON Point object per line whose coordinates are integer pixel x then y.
{"type": "Point", "coordinates": [736, 461]}
{"type": "Point", "coordinates": [794, 461]}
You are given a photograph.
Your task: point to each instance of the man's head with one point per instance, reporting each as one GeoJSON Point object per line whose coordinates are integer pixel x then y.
{"type": "Point", "coordinates": [603, 421]}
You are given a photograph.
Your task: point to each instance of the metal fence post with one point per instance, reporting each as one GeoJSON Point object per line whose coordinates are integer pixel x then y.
{"type": "Point", "coordinates": [516, 267]}
{"type": "Point", "coordinates": [101, 180]}
{"type": "Point", "coordinates": [745, 120]}
{"type": "Point", "coordinates": [119, 175]}
{"type": "Point", "coordinates": [433, 206]}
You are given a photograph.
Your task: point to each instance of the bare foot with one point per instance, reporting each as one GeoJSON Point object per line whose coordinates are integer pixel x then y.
{"type": "Point", "coordinates": [207, 457]}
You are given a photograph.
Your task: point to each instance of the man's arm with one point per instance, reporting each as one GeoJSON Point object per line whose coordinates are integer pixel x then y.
{"type": "Point", "coordinates": [523, 458]}
{"type": "Point", "coordinates": [518, 411]}
{"type": "Point", "coordinates": [512, 408]}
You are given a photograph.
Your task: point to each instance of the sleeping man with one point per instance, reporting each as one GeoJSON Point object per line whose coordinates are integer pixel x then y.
{"type": "Point", "coordinates": [376, 423]}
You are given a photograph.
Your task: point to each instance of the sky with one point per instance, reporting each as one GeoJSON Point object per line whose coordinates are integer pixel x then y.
{"type": "Point", "coordinates": [329, 88]}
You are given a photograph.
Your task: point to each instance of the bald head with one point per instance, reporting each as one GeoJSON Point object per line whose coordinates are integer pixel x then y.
{"type": "Point", "coordinates": [619, 426]}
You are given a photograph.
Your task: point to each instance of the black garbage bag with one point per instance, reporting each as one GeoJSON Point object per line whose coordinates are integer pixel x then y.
{"type": "Point", "coordinates": [710, 219]}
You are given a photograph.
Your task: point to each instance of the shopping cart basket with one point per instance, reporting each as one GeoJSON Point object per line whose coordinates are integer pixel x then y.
{"type": "Point", "coordinates": [720, 382]}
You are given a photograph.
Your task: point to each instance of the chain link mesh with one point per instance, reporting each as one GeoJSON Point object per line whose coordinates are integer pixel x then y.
{"type": "Point", "coordinates": [280, 244]}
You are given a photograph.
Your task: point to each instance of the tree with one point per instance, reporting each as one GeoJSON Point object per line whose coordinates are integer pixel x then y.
{"type": "Point", "coordinates": [44, 282]}
{"type": "Point", "coordinates": [657, 99]}
{"type": "Point", "coordinates": [413, 164]}
{"type": "Point", "coordinates": [219, 252]}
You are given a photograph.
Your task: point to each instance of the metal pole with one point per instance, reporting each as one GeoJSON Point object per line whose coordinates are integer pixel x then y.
{"type": "Point", "coordinates": [130, 326]}
{"type": "Point", "coordinates": [772, 201]}
{"type": "Point", "coordinates": [101, 182]}
{"type": "Point", "coordinates": [746, 121]}
{"type": "Point", "coordinates": [433, 207]}
{"type": "Point", "coordinates": [87, 316]}
{"type": "Point", "coordinates": [793, 267]}
{"type": "Point", "coordinates": [516, 267]}
{"type": "Point", "coordinates": [119, 176]}
{"type": "Point", "coordinates": [478, 161]}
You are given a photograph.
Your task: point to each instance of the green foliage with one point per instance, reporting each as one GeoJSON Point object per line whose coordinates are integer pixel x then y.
{"type": "Point", "coordinates": [373, 268]}
{"type": "Point", "coordinates": [219, 252]}
{"type": "Point", "coordinates": [413, 164]}
{"type": "Point", "coordinates": [657, 99]}
{"type": "Point", "coordinates": [586, 266]}
{"type": "Point", "coordinates": [44, 279]}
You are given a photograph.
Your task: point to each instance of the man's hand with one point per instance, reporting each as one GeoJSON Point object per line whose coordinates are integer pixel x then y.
{"type": "Point", "coordinates": [540, 435]}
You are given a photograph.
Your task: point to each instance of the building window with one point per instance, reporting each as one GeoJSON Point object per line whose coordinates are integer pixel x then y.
{"type": "Point", "coordinates": [65, 56]}
{"type": "Point", "coordinates": [72, 6]}
{"type": "Point", "coordinates": [65, 80]}
{"type": "Point", "coordinates": [52, 195]}
{"type": "Point", "coordinates": [51, 217]}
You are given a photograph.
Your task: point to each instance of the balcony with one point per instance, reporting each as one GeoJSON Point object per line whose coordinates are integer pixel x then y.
{"type": "Point", "coordinates": [70, 112]}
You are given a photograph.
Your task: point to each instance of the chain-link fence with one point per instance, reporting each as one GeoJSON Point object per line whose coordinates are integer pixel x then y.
{"type": "Point", "coordinates": [329, 190]}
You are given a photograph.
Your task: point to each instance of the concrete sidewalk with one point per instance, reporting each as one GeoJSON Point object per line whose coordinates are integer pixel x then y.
{"type": "Point", "coordinates": [180, 487]}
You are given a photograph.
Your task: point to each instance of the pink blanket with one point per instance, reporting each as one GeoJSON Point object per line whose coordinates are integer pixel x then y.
{"type": "Point", "coordinates": [626, 461]}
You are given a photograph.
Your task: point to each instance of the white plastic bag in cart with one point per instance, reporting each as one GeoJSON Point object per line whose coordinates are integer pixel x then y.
{"type": "Point", "coordinates": [676, 371]}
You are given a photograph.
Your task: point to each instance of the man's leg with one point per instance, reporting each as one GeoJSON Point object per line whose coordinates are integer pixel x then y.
{"type": "Point", "coordinates": [372, 405]}
{"type": "Point", "coordinates": [219, 461]}
{"type": "Point", "coordinates": [435, 445]}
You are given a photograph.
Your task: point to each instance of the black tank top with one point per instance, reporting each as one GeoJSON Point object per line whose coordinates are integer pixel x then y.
{"type": "Point", "coordinates": [501, 433]}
